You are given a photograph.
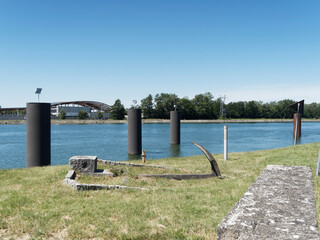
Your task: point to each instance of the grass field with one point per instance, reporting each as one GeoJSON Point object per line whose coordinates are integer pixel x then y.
{"type": "Point", "coordinates": [35, 204]}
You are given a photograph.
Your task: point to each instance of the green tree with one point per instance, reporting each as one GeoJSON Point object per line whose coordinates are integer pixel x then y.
{"type": "Point", "coordinates": [164, 103]}
{"type": "Point", "coordinates": [252, 110]}
{"type": "Point", "coordinates": [147, 107]}
{"type": "Point", "coordinates": [268, 110]}
{"type": "Point", "coordinates": [235, 110]}
{"type": "Point", "coordinates": [63, 114]}
{"type": "Point", "coordinates": [118, 111]}
{"type": "Point", "coordinates": [283, 109]}
{"type": "Point", "coordinates": [83, 114]}
{"type": "Point", "coordinates": [134, 105]}
{"type": "Point", "coordinates": [312, 110]}
{"type": "Point", "coordinates": [187, 109]}
{"type": "Point", "coordinates": [204, 106]}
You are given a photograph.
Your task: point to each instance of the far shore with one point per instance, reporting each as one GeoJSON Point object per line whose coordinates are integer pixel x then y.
{"type": "Point", "coordinates": [146, 121]}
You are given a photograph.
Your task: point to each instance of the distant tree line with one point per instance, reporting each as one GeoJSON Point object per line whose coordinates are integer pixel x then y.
{"type": "Point", "coordinates": [204, 106]}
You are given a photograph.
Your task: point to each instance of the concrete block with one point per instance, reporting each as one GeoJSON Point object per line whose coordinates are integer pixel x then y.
{"type": "Point", "coordinates": [83, 164]}
{"type": "Point", "coordinates": [279, 205]}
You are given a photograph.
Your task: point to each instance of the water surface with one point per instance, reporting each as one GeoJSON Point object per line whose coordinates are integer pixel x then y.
{"type": "Point", "coordinates": [109, 141]}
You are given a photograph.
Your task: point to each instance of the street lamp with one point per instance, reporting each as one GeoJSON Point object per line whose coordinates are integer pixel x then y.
{"type": "Point", "coordinates": [38, 91]}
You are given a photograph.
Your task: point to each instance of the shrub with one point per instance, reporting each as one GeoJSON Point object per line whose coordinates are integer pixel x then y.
{"type": "Point", "coordinates": [83, 114]}
{"type": "Point", "coordinates": [63, 114]}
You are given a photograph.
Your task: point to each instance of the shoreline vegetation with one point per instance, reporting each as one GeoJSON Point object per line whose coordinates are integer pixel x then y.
{"type": "Point", "coordinates": [35, 204]}
{"type": "Point", "coordinates": [146, 121]}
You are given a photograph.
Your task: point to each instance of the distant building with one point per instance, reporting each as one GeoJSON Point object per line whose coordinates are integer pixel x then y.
{"type": "Point", "coordinates": [72, 109]}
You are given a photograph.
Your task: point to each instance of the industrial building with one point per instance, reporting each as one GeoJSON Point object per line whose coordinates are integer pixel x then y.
{"type": "Point", "coordinates": [71, 108]}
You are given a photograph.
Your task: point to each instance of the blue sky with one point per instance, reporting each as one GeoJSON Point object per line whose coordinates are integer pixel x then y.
{"type": "Point", "coordinates": [103, 50]}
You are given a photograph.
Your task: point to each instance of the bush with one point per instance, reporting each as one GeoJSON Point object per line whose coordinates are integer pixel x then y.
{"type": "Point", "coordinates": [63, 114]}
{"type": "Point", "coordinates": [83, 114]}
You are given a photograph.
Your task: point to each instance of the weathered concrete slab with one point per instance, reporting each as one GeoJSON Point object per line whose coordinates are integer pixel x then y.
{"type": "Point", "coordinates": [83, 164]}
{"type": "Point", "coordinates": [71, 174]}
{"type": "Point", "coordinates": [102, 173]}
{"type": "Point", "coordinates": [85, 187]}
{"type": "Point", "coordinates": [88, 165]}
{"type": "Point", "coordinates": [279, 205]}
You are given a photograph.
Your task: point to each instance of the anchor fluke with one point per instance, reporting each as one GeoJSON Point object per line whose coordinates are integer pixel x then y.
{"type": "Point", "coordinates": [214, 165]}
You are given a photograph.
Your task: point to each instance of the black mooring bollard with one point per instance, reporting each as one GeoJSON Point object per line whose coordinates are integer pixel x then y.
{"type": "Point", "coordinates": [175, 127]}
{"type": "Point", "coordinates": [134, 131]}
{"type": "Point", "coordinates": [38, 134]}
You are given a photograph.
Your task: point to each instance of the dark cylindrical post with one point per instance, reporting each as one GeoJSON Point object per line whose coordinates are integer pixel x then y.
{"type": "Point", "coordinates": [175, 127]}
{"type": "Point", "coordinates": [297, 124]}
{"type": "Point", "coordinates": [134, 131]}
{"type": "Point", "coordinates": [38, 134]}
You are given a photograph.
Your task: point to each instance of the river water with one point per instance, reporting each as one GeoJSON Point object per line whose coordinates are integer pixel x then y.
{"type": "Point", "coordinates": [109, 141]}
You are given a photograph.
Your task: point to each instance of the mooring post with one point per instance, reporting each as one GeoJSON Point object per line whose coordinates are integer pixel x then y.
{"type": "Point", "coordinates": [297, 124]}
{"type": "Point", "coordinates": [174, 127]}
{"type": "Point", "coordinates": [38, 134]}
{"type": "Point", "coordinates": [225, 142]}
{"type": "Point", "coordinates": [134, 131]}
{"type": "Point", "coordinates": [298, 106]}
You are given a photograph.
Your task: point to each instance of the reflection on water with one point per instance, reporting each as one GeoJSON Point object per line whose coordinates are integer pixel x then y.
{"type": "Point", "coordinates": [298, 140]}
{"type": "Point", "coordinates": [175, 150]}
{"type": "Point", "coordinates": [134, 157]}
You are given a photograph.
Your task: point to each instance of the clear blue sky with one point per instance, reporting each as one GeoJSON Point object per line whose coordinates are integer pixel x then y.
{"type": "Point", "coordinates": [103, 50]}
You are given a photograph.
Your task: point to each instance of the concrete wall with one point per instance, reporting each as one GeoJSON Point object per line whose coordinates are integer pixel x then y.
{"type": "Point", "coordinates": [72, 111]}
{"type": "Point", "coordinates": [94, 115]}
{"type": "Point", "coordinates": [12, 117]}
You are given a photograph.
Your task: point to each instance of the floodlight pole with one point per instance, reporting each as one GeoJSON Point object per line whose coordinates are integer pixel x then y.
{"type": "Point", "coordinates": [38, 91]}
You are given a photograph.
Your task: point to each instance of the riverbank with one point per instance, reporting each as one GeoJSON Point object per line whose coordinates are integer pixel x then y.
{"type": "Point", "coordinates": [34, 202]}
{"type": "Point", "coordinates": [146, 121]}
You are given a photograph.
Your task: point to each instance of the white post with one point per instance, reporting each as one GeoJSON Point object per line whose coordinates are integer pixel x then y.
{"type": "Point", "coordinates": [225, 142]}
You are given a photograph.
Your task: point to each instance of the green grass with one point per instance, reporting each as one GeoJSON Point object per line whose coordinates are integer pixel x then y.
{"type": "Point", "coordinates": [34, 203]}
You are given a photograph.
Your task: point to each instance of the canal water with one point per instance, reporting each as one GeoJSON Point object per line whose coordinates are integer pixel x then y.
{"type": "Point", "coordinates": [110, 141]}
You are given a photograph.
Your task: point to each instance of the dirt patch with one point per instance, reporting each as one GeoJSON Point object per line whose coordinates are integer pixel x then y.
{"type": "Point", "coordinates": [5, 234]}
{"type": "Point", "coordinates": [62, 234]}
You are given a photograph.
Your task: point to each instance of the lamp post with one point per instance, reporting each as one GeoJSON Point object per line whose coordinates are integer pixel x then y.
{"type": "Point", "coordinates": [38, 91]}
